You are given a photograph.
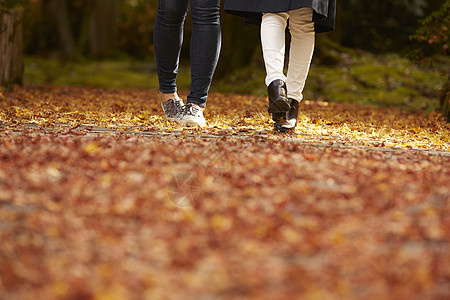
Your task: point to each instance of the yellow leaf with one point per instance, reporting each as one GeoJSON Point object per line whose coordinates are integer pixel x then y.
{"type": "Point", "coordinates": [92, 147]}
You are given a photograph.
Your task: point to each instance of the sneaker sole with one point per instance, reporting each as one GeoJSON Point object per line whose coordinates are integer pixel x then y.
{"type": "Point", "coordinates": [190, 123]}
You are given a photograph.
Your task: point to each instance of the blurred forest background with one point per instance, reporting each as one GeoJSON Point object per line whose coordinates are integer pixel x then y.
{"type": "Point", "coordinates": [382, 52]}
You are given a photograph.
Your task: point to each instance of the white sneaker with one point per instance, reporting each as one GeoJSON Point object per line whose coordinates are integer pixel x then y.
{"type": "Point", "coordinates": [192, 115]}
{"type": "Point", "coordinates": [172, 108]}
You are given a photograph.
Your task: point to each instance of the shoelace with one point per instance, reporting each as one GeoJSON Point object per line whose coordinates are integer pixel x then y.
{"type": "Point", "coordinates": [191, 109]}
{"type": "Point", "coordinates": [174, 106]}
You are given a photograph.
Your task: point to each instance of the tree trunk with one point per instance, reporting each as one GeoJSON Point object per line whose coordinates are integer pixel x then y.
{"type": "Point", "coordinates": [11, 64]}
{"type": "Point", "coordinates": [59, 13]}
{"type": "Point", "coordinates": [103, 26]}
{"type": "Point", "coordinates": [240, 43]}
{"type": "Point", "coordinates": [445, 100]}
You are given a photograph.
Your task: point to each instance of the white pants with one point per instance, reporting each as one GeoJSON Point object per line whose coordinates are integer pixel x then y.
{"type": "Point", "coordinates": [301, 28]}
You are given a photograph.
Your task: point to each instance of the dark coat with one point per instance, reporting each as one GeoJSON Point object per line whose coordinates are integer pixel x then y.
{"type": "Point", "coordinates": [323, 15]}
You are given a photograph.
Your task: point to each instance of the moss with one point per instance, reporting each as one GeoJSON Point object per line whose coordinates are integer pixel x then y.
{"type": "Point", "coordinates": [249, 80]}
{"type": "Point", "coordinates": [377, 80]}
{"type": "Point", "coordinates": [103, 74]}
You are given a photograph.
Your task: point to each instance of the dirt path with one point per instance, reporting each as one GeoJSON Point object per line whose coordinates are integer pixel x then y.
{"type": "Point", "coordinates": [350, 207]}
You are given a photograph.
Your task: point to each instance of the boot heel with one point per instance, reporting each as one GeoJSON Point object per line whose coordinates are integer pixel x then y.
{"type": "Point", "coordinates": [286, 122]}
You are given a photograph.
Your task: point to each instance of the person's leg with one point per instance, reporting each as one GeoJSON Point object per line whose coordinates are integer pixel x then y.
{"type": "Point", "coordinates": [273, 29]}
{"type": "Point", "coordinates": [205, 48]}
{"type": "Point", "coordinates": [168, 38]}
{"type": "Point", "coordinates": [302, 32]}
{"type": "Point", "coordinates": [302, 45]}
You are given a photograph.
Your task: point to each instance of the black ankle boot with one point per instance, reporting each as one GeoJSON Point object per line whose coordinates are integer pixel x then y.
{"type": "Point", "coordinates": [278, 101]}
{"type": "Point", "coordinates": [286, 122]}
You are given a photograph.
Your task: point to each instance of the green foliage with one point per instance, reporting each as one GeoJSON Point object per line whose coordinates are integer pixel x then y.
{"type": "Point", "coordinates": [434, 47]}
{"type": "Point", "coordinates": [433, 34]}
{"type": "Point", "coordinates": [380, 26]}
{"type": "Point", "coordinates": [13, 4]}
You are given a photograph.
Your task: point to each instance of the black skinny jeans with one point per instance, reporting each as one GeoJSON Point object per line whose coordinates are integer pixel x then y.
{"type": "Point", "coordinates": [204, 47]}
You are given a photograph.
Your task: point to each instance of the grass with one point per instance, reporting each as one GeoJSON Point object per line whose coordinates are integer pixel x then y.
{"type": "Point", "coordinates": [101, 74]}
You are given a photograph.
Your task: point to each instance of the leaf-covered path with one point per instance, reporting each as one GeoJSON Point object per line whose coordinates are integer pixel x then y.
{"type": "Point", "coordinates": [100, 198]}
